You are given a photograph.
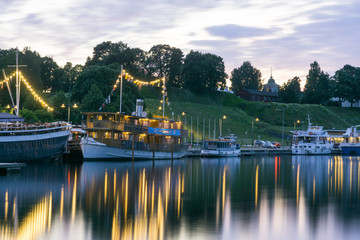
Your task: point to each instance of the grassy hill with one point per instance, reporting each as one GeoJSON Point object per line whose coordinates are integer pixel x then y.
{"type": "Point", "coordinates": [240, 114]}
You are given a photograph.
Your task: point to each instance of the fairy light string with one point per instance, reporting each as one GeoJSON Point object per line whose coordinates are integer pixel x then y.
{"type": "Point", "coordinates": [30, 88]}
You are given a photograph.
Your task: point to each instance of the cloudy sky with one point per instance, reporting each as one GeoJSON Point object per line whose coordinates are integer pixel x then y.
{"type": "Point", "coordinates": [280, 34]}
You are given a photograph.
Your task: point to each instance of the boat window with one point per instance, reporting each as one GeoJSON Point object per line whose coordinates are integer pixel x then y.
{"type": "Point", "coordinates": [107, 135]}
{"type": "Point", "coordinates": [116, 135]}
{"type": "Point", "coordinates": [99, 118]}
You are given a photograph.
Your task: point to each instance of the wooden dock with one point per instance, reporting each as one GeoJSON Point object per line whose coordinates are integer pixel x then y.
{"type": "Point", "coordinates": [11, 167]}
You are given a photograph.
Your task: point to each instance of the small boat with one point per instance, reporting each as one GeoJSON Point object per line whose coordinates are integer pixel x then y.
{"type": "Point", "coordinates": [315, 140]}
{"type": "Point", "coordinates": [222, 147]}
{"type": "Point", "coordinates": [351, 143]}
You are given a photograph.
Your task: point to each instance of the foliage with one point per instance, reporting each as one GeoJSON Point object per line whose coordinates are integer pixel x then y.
{"type": "Point", "coordinates": [92, 100]}
{"type": "Point", "coordinates": [347, 84]}
{"type": "Point", "coordinates": [245, 76]}
{"type": "Point", "coordinates": [107, 53]}
{"type": "Point", "coordinates": [102, 76]}
{"type": "Point", "coordinates": [203, 72]}
{"type": "Point", "coordinates": [317, 87]}
{"type": "Point", "coordinates": [290, 92]}
{"type": "Point", "coordinates": [165, 61]}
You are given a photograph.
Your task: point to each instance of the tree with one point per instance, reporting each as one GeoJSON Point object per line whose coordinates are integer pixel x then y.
{"type": "Point", "coordinates": [347, 84]}
{"type": "Point", "coordinates": [93, 99]}
{"type": "Point", "coordinates": [246, 76]}
{"type": "Point", "coordinates": [290, 92]}
{"type": "Point", "coordinates": [108, 53]}
{"type": "Point", "coordinates": [203, 72]}
{"type": "Point", "coordinates": [317, 88]}
{"type": "Point", "coordinates": [102, 76]}
{"type": "Point", "coordinates": [165, 61]}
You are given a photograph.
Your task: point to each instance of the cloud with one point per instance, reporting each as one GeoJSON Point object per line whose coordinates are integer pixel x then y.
{"type": "Point", "coordinates": [232, 31]}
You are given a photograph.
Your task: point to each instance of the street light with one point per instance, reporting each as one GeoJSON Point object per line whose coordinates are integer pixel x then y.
{"type": "Point", "coordinates": [296, 122]}
{"type": "Point", "coordinates": [252, 129]}
{"type": "Point", "coordinates": [224, 117]}
{"type": "Point", "coordinates": [184, 114]}
{"type": "Point", "coordinates": [282, 135]}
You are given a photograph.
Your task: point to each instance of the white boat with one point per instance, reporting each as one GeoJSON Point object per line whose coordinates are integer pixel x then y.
{"type": "Point", "coordinates": [117, 136]}
{"type": "Point", "coordinates": [222, 147]}
{"type": "Point", "coordinates": [351, 143]}
{"type": "Point", "coordinates": [315, 140]}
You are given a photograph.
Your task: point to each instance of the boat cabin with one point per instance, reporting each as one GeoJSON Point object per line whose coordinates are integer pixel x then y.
{"type": "Point", "coordinates": [119, 130]}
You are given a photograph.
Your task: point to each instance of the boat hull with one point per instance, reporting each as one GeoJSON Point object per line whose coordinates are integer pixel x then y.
{"type": "Point", "coordinates": [311, 150]}
{"type": "Point", "coordinates": [350, 149]}
{"type": "Point", "coordinates": [36, 147]}
{"type": "Point", "coordinates": [220, 153]}
{"type": "Point", "coordinates": [93, 150]}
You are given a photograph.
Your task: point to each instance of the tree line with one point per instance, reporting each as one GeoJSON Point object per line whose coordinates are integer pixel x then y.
{"type": "Point", "coordinates": [201, 73]}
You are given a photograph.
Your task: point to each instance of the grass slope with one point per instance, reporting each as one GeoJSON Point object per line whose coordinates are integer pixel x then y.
{"type": "Point", "coordinates": [241, 114]}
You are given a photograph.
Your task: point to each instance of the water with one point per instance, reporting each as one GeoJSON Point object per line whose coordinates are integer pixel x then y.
{"type": "Point", "coordinates": [267, 197]}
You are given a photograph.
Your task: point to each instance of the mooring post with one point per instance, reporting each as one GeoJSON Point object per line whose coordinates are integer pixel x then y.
{"type": "Point", "coordinates": [172, 148]}
{"type": "Point", "coordinates": [153, 147]}
{"type": "Point", "coordinates": [132, 147]}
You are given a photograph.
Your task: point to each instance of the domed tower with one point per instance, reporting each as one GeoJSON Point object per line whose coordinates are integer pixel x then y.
{"type": "Point", "coordinates": [271, 86]}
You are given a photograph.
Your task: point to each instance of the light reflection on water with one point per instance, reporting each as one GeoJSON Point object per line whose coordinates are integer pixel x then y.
{"type": "Point", "coordinates": [267, 197]}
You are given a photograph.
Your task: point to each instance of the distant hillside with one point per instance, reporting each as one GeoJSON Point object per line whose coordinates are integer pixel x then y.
{"type": "Point", "coordinates": [240, 114]}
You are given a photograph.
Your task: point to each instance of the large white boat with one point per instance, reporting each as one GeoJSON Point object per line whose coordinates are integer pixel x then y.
{"type": "Point", "coordinates": [315, 140]}
{"type": "Point", "coordinates": [351, 143]}
{"type": "Point", "coordinates": [117, 136]}
{"type": "Point", "coordinates": [222, 147]}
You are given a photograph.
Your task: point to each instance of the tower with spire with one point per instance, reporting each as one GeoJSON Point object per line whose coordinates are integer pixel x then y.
{"type": "Point", "coordinates": [271, 86]}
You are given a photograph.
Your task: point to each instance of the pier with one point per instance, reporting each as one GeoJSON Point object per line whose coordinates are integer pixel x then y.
{"type": "Point", "coordinates": [11, 167]}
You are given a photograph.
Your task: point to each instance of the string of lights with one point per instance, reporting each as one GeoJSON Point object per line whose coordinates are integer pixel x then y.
{"type": "Point", "coordinates": [35, 95]}
{"type": "Point", "coordinates": [30, 88]}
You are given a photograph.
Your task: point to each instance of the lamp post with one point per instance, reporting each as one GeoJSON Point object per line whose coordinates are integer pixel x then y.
{"type": "Point", "coordinates": [296, 122]}
{"type": "Point", "coordinates": [282, 134]}
{"type": "Point", "coordinates": [74, 106]}
{"type": "Point", "coordinates": [252, 129]}
{"type": "Point", "coordinates": [223, 117]}
{"type": "Point", "coordinates": [184, 114]}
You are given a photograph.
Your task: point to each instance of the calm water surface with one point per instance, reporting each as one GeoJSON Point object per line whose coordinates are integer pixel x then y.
{"type": "Point", "coordinates": [270, 197]}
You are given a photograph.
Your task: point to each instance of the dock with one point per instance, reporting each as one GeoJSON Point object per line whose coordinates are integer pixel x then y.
{"type": "Point", "coordinates": [11, 167]}
{"type": "Point", "coordinates": [265, 151]}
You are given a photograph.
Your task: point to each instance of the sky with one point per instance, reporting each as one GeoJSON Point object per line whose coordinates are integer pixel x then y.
{"type": "Point", "coordinates": [282, 35]}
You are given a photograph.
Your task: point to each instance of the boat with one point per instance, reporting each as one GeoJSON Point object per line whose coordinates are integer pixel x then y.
{"type": "Point", "coordinates": [115, 136]}
{"type": "Point", "coordinates": [21, 142]}
{"type": "Point", "coordinates": [351, 143]}
{"type": "Point", "coordinates": [222, 147]}
{"type": "Point", "coordinates": [27, 143]}
{"type": "Point", "coordinates": [313, 141]}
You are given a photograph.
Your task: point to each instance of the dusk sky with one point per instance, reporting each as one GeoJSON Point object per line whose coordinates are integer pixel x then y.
{"type": "Point", "coordinates": [283, 35]}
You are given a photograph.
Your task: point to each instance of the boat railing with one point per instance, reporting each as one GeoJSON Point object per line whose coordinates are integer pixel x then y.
{"type": "Point", "coordinates": [125, 127]}
{"type": "Point", "coordinates": [28, 128]}
{"type": "Point", "coordinates": [125, 144]}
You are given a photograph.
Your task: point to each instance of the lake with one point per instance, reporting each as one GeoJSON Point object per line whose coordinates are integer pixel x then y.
{"type": "Point", "coordinates": [261, 197]}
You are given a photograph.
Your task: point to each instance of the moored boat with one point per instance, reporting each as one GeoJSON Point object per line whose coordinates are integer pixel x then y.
{"type": "Point", "coordinates": [26, 143]}
{"type": "Point", "coordinates": [313, 141]}
{"type": "Point", "coordinates": [222, 147]}
{"type": "Point", "coordinates": [117, 136]}
{"type": "Point", "coordinates": [351, 143]}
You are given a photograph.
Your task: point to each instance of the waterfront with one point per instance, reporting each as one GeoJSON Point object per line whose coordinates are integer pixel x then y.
{"type": "Point", "coordinates": [257, 197]}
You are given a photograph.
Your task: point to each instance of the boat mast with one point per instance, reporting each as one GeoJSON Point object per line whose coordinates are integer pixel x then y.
{"type": "Point", "coordinates": [17, 82]}
{"type": "Point", "coordinates": [121, 81]}
{"type": "Point", "coordinates": [163, 79]}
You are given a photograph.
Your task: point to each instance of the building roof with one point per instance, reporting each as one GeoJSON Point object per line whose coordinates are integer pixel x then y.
{"type": "Point", "coordinates": [271, 82]}
{"type": "Point", "coordinates": [262, 93]}
{"type": "Point", "coordinates": [7, 117]}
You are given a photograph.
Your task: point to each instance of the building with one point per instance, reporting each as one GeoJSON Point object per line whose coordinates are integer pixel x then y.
{"type": "Point", "coordinates": [271, 86]}
{"type": "Point", "coordinates": [258, 96]}
{"type": "Point", "coordinates": [270, 93]}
